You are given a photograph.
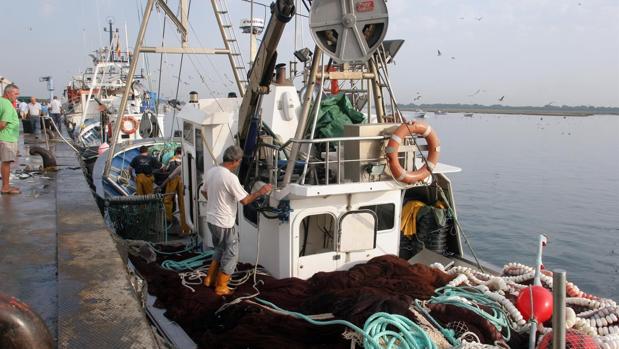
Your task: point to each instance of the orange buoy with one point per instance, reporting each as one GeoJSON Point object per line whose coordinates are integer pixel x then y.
{"type": "Point", "coordinates": [434, 148]}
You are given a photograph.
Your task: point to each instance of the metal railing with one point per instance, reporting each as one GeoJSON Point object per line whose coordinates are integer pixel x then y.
{"type": "Point", "coordinates": [324, 161]}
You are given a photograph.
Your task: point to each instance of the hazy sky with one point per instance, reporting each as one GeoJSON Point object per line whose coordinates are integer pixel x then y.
{"type": "Point", "coordinates": [533, 52]}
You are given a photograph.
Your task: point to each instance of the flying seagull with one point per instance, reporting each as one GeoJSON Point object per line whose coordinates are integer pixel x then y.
{"type": "Point", "coordinates": [439, 52]}
{"type": "Point", "coordinates": [452, 57]}
{"type": "Point", "coordinates": [478, 18]}
{"type": "Point", "coordinates": [476, 92]}
{"type": "Point", "coordinates": [501, 99]}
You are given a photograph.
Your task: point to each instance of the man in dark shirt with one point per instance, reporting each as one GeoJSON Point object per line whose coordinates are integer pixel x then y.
{"type": "Point", "coordinates": [144, 165]}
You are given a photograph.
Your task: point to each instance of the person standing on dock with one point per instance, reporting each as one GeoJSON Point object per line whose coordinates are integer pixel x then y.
{"type": "Point", "coordinates": [9, 137]}
{"type": "Point", "coordinates": [23, 110]}
{"type": "Point", "coordinates": [34, 113]}
{"type": "Point", "coordinates": [144, 165]}
{"type": "Point", "coordinates": [55, 111]}
{"type": "Point", "coordinates": [223, 190]}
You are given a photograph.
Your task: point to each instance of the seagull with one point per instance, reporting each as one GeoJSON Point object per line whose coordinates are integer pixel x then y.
{"type": "Point", "coordinates": [439, 53]}
{"type": "Point", "coordinates": [476, 92]}
{"type": "Point", "coordinates": [501, 99]}
{"type": "Point", "coordinates": [452, 57]}
{"type": "Point", "coordinates": [417, 98]}
{"type": "Point", "coordinates": [478, 18]}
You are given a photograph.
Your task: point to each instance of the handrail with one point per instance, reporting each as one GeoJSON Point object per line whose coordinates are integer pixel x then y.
{"type": "Point", "coordinates": [326, 161]}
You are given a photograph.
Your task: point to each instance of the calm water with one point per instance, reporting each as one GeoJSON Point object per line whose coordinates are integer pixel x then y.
{"type": "Point", "coordinates": [524, 175]}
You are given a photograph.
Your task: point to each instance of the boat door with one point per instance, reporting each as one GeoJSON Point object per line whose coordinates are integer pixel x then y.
{"type": "Point", "coordinates": [314, 242]}
{"type": "Point", "coordinates": [356, 237]}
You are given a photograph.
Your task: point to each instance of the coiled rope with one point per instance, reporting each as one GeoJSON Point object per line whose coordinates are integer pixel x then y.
{"type": "Point", "coordinates": [381, 330]}
{"type": "Point", "coordinates": [471, 299]}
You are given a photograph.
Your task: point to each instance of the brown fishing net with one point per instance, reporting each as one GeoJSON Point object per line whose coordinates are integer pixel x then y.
{"type": "Point", "coordinates": [387, 283]}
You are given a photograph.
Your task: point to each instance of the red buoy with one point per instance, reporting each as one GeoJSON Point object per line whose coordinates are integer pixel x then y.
{"type": "Point", "coordinates": [542, 303]}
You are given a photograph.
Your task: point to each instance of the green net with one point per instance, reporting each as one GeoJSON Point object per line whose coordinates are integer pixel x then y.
{"type": "Point", "coordinates": [137, 217]}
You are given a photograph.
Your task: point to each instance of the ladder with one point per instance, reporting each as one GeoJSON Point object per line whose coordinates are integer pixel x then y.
{"type": "Point", "coordinates": [220, 7]}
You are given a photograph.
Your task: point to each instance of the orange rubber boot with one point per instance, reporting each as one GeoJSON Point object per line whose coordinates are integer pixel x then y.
{"type": "Point", "coordinates": [222, 285]}
{"type": "Point", "coordinates": [209, 280]}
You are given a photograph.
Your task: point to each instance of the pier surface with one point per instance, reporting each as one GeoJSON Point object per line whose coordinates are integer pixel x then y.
{"type": "Point", "coordinates": [57, 255]}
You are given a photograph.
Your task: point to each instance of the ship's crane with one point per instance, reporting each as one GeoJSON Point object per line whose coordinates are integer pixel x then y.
{"type": "Point", "coordinates": [282, 11]}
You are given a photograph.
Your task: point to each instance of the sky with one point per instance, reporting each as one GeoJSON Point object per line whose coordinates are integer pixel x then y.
{"type": "Point", "coordinates": [531, 52]}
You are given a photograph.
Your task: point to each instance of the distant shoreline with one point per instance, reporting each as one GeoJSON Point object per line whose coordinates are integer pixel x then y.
{"type": "Point", "coordinates": [513, 111]}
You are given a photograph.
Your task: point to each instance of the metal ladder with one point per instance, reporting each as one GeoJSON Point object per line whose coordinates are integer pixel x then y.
{"type": "Point", "coordinates": [220, 7]}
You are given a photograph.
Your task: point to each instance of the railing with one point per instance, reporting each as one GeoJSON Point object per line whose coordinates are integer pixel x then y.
{"type": "Point", "coordinates": [325, 162]}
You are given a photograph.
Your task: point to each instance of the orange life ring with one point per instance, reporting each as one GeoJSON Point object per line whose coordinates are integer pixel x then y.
{"type": "Point", "coordinates": [128, 119]}
{"type": "Point", "coordinates": [434, 148]}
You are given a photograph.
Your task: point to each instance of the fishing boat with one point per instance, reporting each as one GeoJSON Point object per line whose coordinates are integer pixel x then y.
{"type": "Point", "coordinates": [359, 244]}
{"type": "Point", "coordinates": [418, 114]}
{"type": "Point", "coordinates": [468, 115]}
{"type": "Point", "coordinates": [94, 98]}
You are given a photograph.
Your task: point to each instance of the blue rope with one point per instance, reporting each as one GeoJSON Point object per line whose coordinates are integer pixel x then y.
{"type": "Point", "coordinates": [496, 316]}
{"type": "Point", "coordinates": [381, 330]}
{"type": "Point", "coordinates": [187, 264]}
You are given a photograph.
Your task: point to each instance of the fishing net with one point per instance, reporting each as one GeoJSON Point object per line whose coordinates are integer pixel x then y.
{"type": "Point", "coordinates": [573, 340]}
{"type": "Point", "coordinates": [137, 217]}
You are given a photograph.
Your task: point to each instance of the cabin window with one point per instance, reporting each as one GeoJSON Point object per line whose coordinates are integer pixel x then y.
{"type": "Point", "coordinates": [199, 153]}
{"type": "Point", "coordinates": [385, 213]}
{"type": "Point", "coordinates": [317, 234]}
{"type": "Point", "coordinates": [188, 132]}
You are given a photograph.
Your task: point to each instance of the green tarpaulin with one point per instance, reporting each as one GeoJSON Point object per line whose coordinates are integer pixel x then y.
{"type": "Point", "coordinates": [335, 112]}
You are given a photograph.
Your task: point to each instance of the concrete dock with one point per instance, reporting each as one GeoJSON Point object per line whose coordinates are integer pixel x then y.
{"type": "Point", "coordinates": [57, 255]}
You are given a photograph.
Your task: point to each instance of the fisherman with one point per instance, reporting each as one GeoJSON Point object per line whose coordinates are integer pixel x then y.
{"type": "Point", "coordinates": [9, 136]}
{"type": "Point", "coordinates": [144, 165]}
{"type": "Point", "coordinates": [55, 111]}
{"type": "Point", "coordinates": [34, 113]}
{"type": "Point", "coordinates": [223, 190]}
{"type": "Point", "coordinates": [174, 188]}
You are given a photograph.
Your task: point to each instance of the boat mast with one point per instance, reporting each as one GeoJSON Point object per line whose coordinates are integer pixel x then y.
{"type": "Point", "coordinates": [182, 24]}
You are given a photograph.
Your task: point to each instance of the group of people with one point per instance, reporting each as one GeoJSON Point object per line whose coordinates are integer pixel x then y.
{"type": "Point", "coordinates": [11, 112]}
{"type": "Point", "coordinates": [32, 114]}
{"type": "Point", "coordinates": [143, 168]}
{"type": "Point", "coordinates": [222, 190]}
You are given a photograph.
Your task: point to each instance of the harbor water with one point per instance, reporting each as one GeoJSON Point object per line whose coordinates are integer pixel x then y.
{"type": "Point", "coordinates": [524, 175]}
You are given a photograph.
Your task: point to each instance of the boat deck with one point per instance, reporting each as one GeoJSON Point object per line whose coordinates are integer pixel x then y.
{"type": "Point", "coordinates": [57, 255]}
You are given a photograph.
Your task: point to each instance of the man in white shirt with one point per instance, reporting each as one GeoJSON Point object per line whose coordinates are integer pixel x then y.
{"type": "Point", "coordinates": [55, 111]}
{"type": "Point", "coordinates": [34, 113]}
{"type": "Point", "coordinates": [223, 190]}
{"type": "Point", "coordinates": [23, 110]}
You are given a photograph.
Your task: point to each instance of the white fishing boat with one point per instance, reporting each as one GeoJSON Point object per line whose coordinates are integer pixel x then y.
{"type": "Point", "coordinates": [359, 244]}
{"type": "Point", "coordinates": [94, 99]}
